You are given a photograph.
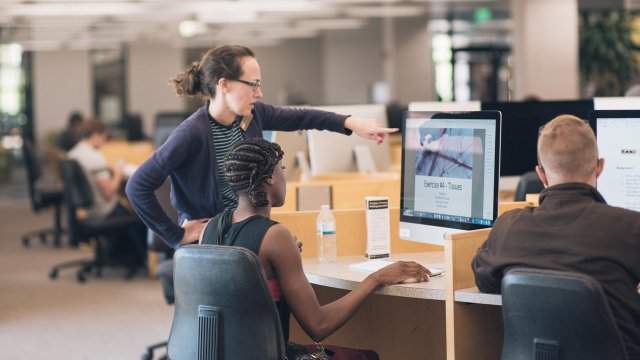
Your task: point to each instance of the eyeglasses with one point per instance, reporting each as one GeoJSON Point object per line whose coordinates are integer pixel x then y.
{"type": "Point", "coordinates": [254, 85]}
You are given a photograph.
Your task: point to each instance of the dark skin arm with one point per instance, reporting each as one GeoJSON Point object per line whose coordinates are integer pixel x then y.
{"type": "Point", "coordinates": [280, 257]}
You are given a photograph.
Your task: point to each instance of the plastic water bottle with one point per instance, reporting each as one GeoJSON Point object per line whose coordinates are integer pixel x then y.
{"type": "Point", "coordinates": [326, 234]}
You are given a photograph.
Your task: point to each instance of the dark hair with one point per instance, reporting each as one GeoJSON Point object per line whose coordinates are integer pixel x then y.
{"type": "Point", "coordinates": [92, 126]}
{"type": "Point", "coordinates": [201, 77]}
{"type": "Point", "coordinates": [75, 118]}
{"type": "Point", "coordinates": [249, 164]}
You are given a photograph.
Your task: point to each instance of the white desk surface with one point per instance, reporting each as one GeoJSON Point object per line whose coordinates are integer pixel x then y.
{"type": "Point", "coordinates": [338, 275]}
{"type": "Point", "coordinates": [474, 296]}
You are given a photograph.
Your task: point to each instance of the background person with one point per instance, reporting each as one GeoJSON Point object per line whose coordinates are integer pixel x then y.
{"type": "Point", "coordinates": [70, 136]}
{"type": "Point", "coordinates": [105, 182]}
{"type": "Point", "coordinates": [229, 78]}
{"type": "Point", "coordinates": [253, 169]}
{"type": "Point", "coordinates": [573, 229]}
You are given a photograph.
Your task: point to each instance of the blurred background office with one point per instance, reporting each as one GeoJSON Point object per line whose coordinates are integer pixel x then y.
{"type": "Point", "coordinates": [113, 59]}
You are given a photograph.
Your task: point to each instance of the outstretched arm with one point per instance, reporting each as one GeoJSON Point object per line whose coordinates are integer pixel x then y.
{"type": "Point", "coordinates": [281, 259]}
{"type": "Point", "coordinates": [368, 128]}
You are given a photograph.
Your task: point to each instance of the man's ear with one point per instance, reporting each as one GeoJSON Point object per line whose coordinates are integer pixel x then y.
{"type": "Point", "coordinates": [599, 167]}
{"type": "Point", "coordinates": [542, 175]}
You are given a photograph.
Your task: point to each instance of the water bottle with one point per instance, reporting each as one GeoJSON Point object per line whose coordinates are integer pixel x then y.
{"type": "Point", "coordinates": [326, 234]}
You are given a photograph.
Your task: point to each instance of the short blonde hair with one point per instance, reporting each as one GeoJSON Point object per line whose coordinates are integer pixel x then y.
{"type": "Point", "coordinates": [567, 149]}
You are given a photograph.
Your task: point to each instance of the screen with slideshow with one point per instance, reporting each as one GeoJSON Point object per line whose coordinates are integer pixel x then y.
{"type": "Point", "coordinates": [450, 169]}
{"type": "Point", "coordinates": [617, 136]}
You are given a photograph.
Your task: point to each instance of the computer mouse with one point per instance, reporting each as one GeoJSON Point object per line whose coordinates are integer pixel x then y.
{"type": "Point", "coordinates": [410, 280]}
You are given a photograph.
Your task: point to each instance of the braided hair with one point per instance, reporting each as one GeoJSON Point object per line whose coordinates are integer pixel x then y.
{"type": "Point", "coordinates": [249, 164]}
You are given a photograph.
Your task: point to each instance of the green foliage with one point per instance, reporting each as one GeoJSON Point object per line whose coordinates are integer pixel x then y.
{"type": "Point", "coordinates": [608, 56]}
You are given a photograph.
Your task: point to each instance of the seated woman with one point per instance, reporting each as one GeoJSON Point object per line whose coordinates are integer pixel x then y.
{"type": "Point", "coordinates": [253, 170]}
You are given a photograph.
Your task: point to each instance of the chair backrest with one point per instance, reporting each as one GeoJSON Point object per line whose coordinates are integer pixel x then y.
{"type": "Point", "coordinates": [557, 315]}
{"type": "Point", "coordinates": [224, 309]}
{"type": "Point", "coordinates": [33, 173]}
{"type": "Point", "coordinates": [529, 183]}
{"type": "Point", "coordinates": [77, 194]}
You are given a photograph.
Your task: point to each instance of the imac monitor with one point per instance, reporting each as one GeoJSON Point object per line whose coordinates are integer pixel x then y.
{"type": "Point", "coordinates": [450, 172]}
{"type": "Point", "coordinates": [294, 145]}
{"type": "Point", "coordinates": [617, 133]}
{"type": "Point", "coordinates": [331, 152]}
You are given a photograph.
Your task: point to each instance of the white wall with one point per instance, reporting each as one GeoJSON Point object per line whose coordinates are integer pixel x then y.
{"type": "Point", "coordinates": [545, 49]}
{"type": "Point", "coordinates": [414, 80]}
{"type": "Point", "coordinates": [149, 67]}
{"type": "Point", "coordinates": [62, 83]}
{"type": "Point", "coordinates": [296, 64]}
{"type": "Point", "coordinates": [352, 61]}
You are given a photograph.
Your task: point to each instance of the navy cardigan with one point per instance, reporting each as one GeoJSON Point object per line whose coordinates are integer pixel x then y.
{"type": "Point", "coordinates": [188, 157]}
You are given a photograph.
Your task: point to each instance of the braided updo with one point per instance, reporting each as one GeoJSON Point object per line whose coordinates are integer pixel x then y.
{"type": "Point", "coordinates": [249, 164]}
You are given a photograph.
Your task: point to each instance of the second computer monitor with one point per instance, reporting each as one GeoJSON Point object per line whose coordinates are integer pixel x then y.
{"type": "Point", "coordinates": [450, 171]}
{"type": "Point", "coordinates": [617, 135]}
{"type": "Point", "coordinates": [331, 152]}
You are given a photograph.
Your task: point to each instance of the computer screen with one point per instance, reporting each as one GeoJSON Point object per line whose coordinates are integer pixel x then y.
{"type": "Point", "coordinates": [617, 134]}
{"type": "Point", "coordinates": [520, 123]}
{"type": "Point", "coordinates": [450, 171]}
{"type": "Point", "coordinates": [292, 143]}
{"type": "Point", "coordinates": [331, 152]}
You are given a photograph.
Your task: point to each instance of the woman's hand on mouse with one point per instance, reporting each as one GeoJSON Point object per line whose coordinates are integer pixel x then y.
{"type": "Point", "coordinates": [400, 271]}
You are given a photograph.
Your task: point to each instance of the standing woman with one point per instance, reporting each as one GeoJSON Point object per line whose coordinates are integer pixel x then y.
{"type": "Point", "coordinates": [229, 78]}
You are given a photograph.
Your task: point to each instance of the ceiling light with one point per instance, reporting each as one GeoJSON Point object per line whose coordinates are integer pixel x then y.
{"type": "Point", "coordinates": [191, 28]}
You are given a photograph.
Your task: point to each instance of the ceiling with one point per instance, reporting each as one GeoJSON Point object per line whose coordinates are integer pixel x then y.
{"type": "Point", "coordinates": [94, 24]}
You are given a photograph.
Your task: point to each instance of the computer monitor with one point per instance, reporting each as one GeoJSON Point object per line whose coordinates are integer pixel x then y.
{"type": "Point", "coordinates": [294, 145]}
{"type": "Point", "coordinates": [165, 124]}
{"type": "Point", "coordinates": [617, 133]}
{"type": "Point", "coordinates": [616, 103]}
{"type": "Point", "coordinates": [450, 171]}
{"type": "Point", "coordinates": [520, 123]}
{"type": "Point", "coordinates": [331, 152]}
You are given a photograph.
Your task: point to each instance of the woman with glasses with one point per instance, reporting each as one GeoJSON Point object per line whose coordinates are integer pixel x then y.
{"type": "Point", "coordinates": [228, 78]}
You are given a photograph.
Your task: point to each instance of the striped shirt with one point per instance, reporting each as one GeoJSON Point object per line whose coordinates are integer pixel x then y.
{"type": "Point", "coordinates": [224, 137]}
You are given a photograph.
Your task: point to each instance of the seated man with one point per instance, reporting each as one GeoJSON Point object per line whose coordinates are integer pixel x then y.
{"type": "Point", "coordinates": [105, 182]}
{"type": "Point", "coordinates": [573, 229]}
{"type": "Point", "coordinates": [253, 169]}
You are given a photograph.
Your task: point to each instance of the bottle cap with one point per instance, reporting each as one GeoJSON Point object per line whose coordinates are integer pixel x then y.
{"type": "Point", "coordinates": [324, 207]}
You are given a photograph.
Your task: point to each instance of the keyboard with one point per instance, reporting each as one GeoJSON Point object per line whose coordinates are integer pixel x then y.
{"type": "Point", "coordinates": [377, 264]}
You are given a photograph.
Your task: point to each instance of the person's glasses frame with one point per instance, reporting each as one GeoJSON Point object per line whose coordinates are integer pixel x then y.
{"type": "Point", "coordinates": [254, 85]}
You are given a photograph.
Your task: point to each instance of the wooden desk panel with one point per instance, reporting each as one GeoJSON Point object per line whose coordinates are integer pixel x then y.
{"type": "Point", "coordinates": [132, 152]}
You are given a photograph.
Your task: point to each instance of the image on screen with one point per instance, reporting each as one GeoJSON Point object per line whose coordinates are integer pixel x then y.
{"type": "Point", "coordinates": [450, 172]}
{"type": "Point", "coordinates": [617, 134]}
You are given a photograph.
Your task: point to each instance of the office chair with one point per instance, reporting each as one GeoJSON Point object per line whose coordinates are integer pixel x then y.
{"type": "Point", "coordinates": [529, 183]}
{"type": "Point", "coordinates": [224, 308]}
{"type": "Point", "coordinates": [78, 195]}
{"type": "Point", "coordinates": [554, 315]}
{"type": "Point", "coordinates": [42, 197]}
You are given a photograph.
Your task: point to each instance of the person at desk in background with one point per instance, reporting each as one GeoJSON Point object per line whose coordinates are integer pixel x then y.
{"type": "Point", "coordinates": [70, 136]}
{"type": "Point", "coordinates": [229, 78]}
{"type": "Point", "coordinates": [253, 170]}
{"type": "Point", "coordinates": [573, 229]}
{"type": "Point", "coordinates": [105, 182]}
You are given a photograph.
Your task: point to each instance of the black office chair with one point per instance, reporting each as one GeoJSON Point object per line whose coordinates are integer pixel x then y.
{"type": "Point", "coordinates": [78, 195]}
{"type": "Point", "coordinates": [529, 183]}
{"type": "Point", "coordinates": [42, 196]}
{"type": "Point", "coordinates": [555, 315]}
{"type": "Point", "coordinates": [224, 308]}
